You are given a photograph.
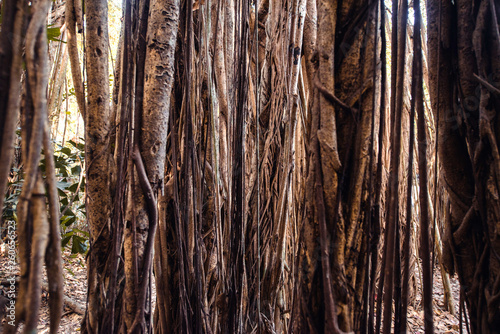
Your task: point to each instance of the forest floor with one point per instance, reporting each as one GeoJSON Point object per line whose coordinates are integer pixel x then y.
{"type": "Point", "coordinates": [444, 321]}
{"type": "Point", "coordinates": [75, 288]}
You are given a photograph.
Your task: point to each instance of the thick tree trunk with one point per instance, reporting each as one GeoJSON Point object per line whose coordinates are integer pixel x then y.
{"type": "Point", "coordinates": [159, 78]}
{"type": "Point", "coordinates": [465, 103]}
{"type": "Point", "coordinates": [334, 226]}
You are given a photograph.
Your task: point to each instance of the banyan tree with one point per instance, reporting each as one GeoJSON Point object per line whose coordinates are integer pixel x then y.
{"type": "Point", "coordinates": [267, 166]}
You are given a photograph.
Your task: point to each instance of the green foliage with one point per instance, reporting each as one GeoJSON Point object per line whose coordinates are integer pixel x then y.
{"type": "Point", "coordinates": [53, 33]}
{"type": "Point", "coordinates": [70, 187]}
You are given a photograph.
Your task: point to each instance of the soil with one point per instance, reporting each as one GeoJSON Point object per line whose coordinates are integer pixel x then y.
{"type": "Point", "coordinates": [75, 287]}
{"type": "Point", "coordinates": [444, 321]}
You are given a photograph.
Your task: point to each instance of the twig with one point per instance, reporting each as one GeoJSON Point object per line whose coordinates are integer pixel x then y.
{"type": "Point", "coordinates": [330, 97]}
{"type": "Point", "coordinates": [487, 84]}
{"type": "Point", "coordinates": [75, 306]}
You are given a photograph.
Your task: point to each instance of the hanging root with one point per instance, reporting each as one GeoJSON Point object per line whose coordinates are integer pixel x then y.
{"type": "Point", "coordinates": [148, 253]}
{"type": "Point", "coordinates": [14, 102]}
{"type": "Point", "coordinates": [39, 243]}
{"type": "Point", "coordinates": [53, 251]}
{"type": "Point", "coordinates": [32, 216]}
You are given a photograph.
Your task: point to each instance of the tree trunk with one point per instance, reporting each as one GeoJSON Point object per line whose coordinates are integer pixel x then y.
{"type": "Point", "coordinates": [99, 166]}
{"type": "Point", "coordinates": [465, 102]}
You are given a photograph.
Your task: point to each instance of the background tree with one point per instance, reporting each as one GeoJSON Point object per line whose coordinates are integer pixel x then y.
{"type": "Point", "coordinates": [465, 104]}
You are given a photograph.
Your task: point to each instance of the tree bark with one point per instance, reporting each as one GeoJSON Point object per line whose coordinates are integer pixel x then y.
{"type": "Point", "coordinates": [98, 161]}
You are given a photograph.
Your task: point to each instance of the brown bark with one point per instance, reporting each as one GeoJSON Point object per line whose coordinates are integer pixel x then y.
{"type": "Point", "coordinates": [98, 161]}
{"type": "Point", "coordinates": [73, 56]}
{"type": "Point", "coordinates": [425, 249]}
{"type": "Point", "coordinates": [467, 147]}
{"type": "Point", "coordinates": [37, 237]}
{"type": "Point", "coordinates": [10, 85]}
{"type": "Point", "coordinates": [159, 78]}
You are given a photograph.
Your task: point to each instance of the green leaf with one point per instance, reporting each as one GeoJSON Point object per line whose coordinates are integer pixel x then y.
{"type": "Point", "coordinates": [79, 245]}
{"type": "Point", "coordinates": [66, 150]}
{"type": "Point", "coordinates": [65, 241]}
{"type": "Point", "coordinates": [70, 213]}
{"type": "Point", "coordinates": [74, 187]}
{"type": "Point", "coordinates": [70, 271]}
{"type": "Point", "coordinates": [82, 232]}
{"type": "Point", "coordinates": [62, 185]}
{"type": "Point", "coordinates": [70, 221]}
{"type": "Point", "coordinates": [53, 33]}
{"type": "Point", "coordinates": [60, 164]}
{"type": "Point", "coordinates": [76, 170]}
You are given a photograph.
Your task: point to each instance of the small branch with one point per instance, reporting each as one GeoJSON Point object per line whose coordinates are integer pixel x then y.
{"type": "Point", "coordinates": [330, 97]}
{"type": "Point", "coordinates": [487, 84]}
{"type": "Point", "coordinates": [75, 306]}
{"type": "Point", "coordinates": [76, 74]}
{"type": "Point", "coordinates": [460, 234]}
{"type": "Point", "coordinates": [153, 218]}
{"type": "Point", "coordinates": [53, 252]}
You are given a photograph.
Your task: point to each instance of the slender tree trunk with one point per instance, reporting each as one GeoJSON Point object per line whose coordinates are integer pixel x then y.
{"type": "Point", "coordinates": [99, 165]}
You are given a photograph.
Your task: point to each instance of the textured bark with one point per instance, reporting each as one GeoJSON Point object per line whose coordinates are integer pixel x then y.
{"type": "Point", "coordinates": [267, 216]}
{"type": "Point", "coordinates": [345, 108]}
{"type": "Point", "coordinates": [39, 241]}
{"type": "Point", "coordinates": [224, 100]}
{"type": "Point", "coordinates": [98, 161]}
{"type": "Point", "coordinates": [10, 84]}
{"type": "Point", "coordinates": [468, 134]}
{"type": "Point", "coordinates": [34, 119]}
{"type": "Point", "coordinates": [425, 249]}
{"type": "Point", "coordinates": [409, 208]}
{"type": "Point", "coordinates": [397, 89]}
{"type": "Point", "coordinates": [73, 56]}
{"type": "Point", "coordinates": [159, 78]}
{"type": "Point", "coordinates": [37, 237]}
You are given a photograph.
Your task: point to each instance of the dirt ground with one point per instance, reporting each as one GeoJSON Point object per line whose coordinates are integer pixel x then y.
{"type": "Point", "coordinates": [444, 322]}
{"type": "Point", "coordinates": [75, 288]}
